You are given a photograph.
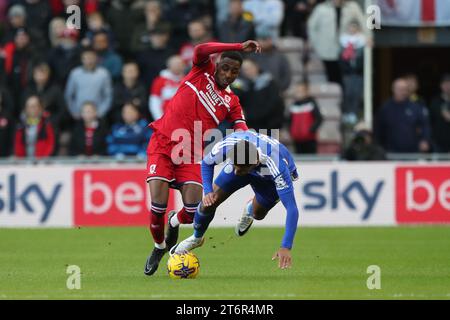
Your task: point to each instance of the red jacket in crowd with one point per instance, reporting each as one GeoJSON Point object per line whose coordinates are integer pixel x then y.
{"type": "Point", "coordinates": [45, 143]}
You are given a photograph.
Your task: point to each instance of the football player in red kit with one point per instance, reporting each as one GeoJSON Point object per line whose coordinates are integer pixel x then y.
{"type": "Point", "coordinates": [203, 100]}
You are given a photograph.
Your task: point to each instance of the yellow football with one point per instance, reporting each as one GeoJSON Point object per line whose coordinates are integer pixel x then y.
{"type": "Point", "coordinates": [183, 266]}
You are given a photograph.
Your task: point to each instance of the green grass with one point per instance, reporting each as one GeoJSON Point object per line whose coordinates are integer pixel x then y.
{"type": "Point", "coordinates": [329, 263]}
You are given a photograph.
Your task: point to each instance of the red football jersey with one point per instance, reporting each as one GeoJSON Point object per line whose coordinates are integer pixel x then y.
{"type": "Point", "coordinates": [199, 101]}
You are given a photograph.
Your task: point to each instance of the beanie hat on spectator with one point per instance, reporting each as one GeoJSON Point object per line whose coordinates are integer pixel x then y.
{"type": "Point", "coordinates": [17, 11]}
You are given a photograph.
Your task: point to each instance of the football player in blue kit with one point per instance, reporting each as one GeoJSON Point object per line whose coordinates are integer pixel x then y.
{"type": "Point", "coordinates": [251, 159]}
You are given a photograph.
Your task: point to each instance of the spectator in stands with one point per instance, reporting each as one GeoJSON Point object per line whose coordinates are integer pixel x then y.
{"type": "Point", "coordinates": [19, 61]}
{"type": "Point", "coordinates": [305, 120]}
{"type": "Point", "coordinates": [89, 82]}
{"type": "Point", "coordinates": [260, 96]}
{"type": "Point", "coordinates": [272, 60]}
{"type": "Point", "coordinates": [179, 13]}
{"type": "Point", "coordinates": [107, 57]}
{"type": "Point", "coordinates": [128, 11]}
{"type": "Point", "coordinates": [296, 14]}
{"type": "Point", "coordinates": [413, 85]}
{"type": "Point", "coordinates": [89, 135]}
{"type": "Point", "coordinates": [351, 59]}
{"type": "Point", "coordinates": [51, 94]}
{"type": "Point", "coordinates": [402, 124]}
{"type": "Point", "coordinates": [165, 86]}
{"type": "Point", "coordinates": [55, 30]}
{"type": "Point", "coordinates": [325, 24]}
{"type": "Point", "coordinates": [238, 27]}
{"type": "Point", "coordinates": [222, 10]}
{"type": "Point", "coordinates": [363, 147]}
{"type": "Point", "coordinates": [17, 19]}
{"type": "Point", "coordinates": [6, 123]}
{"type": "Point", "coordinates": [440, 117]}
{"type": "Point", "coordinates": [198, 33]}
{"type": "Point", "coordinates": [96, 23]}
{"type": "Point", "coordinates": [153, 60]}
{"type": "Point", "coordinates": [130, 89]}
{"type": "Point", "coordinates": [130, 136]}
{"type": "Point", "coordinates": [35, 135]}
{"type": "Point", "coordinates": [267, 15]}
{"type": "Point", "coordinates": [141, 33]}
{"type": "Point", "coordinates": [38, 16]}
{"type": "Point", "coordinates": [65, 56]}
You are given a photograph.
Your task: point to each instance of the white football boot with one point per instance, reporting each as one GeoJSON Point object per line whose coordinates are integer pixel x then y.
{"type": "Point", "coordinates": [245, 222]}
{"type": "Point", "coordinates": [187, 244]}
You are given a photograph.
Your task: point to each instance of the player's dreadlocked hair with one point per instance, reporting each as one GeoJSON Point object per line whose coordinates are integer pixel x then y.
{"type": "Point", "coordinates": [243, 153]}
{"type": "Point", "coordinates": [234, 55]}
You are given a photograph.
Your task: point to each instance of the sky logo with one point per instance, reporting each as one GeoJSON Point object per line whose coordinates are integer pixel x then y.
{"type": "Point", "coordinates": [30, 198]}
{"type": "Point", "coordinates": [332, 194]}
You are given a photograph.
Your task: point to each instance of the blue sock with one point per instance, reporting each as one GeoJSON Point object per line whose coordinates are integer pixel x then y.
{"type": "Point", "coordinates": [250, 209]}
{"type": "Point", "coordinates": [201, 222]}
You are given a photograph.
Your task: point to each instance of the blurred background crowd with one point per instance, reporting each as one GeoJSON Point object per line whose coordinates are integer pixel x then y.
{"type": "Point", "coordinates": [93, 90]}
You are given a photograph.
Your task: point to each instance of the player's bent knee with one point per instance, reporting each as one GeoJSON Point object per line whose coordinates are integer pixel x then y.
{"type": "Point", "coordinates": [259, 214]}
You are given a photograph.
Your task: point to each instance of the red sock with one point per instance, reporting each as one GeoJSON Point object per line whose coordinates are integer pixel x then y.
{"type": "Point", "coordinates": [157, 222]}
{"type": "Point", "coordinates": [186, 215]}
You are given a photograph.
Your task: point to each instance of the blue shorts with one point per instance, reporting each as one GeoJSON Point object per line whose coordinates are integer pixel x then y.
{"type": "Point", "coordinates": [265, 191]}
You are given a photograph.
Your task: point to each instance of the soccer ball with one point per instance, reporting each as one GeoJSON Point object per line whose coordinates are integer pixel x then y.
{"type": "Point", "coordinates": [183, 266]}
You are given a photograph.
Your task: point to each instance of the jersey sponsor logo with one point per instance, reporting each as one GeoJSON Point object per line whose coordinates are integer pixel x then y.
{"type": "Point", "coordinates": [214, 94]}
{"type": "Point", "coordinates": [213, 97]}
{"type": "Point", "coordinates": [204, 101]}
{"type": "Point", "coordinates": [422, 194]}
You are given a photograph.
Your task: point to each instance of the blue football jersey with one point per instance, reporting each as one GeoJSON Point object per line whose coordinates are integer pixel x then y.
{"type": "Point", "coordinates": [276, 162]}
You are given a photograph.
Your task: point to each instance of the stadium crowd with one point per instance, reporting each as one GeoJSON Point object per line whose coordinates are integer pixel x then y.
{"type": "Point", "coordinates": [93, 90]}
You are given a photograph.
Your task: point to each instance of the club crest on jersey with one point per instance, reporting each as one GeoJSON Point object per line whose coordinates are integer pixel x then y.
{"type": "Point", "coordinates": [280, 183]}
{"type": "Point", "coordinates": [227, 98]}
{"type": "Point", "coordinates": [152, 169]}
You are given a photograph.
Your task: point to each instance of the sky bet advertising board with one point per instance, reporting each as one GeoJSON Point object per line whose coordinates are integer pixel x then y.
{"type": "Point", "coordinates": [327, 194]}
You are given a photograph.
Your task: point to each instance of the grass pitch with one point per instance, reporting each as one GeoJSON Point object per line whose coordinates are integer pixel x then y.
{"type": "Point", "coordinates": [329, 263]}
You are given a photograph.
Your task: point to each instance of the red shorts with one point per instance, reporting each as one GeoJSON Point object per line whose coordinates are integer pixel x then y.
{"type": "Point", "coordinates": [161, 167]}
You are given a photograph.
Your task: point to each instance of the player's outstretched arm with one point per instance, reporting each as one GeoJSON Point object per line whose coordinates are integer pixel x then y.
{"type": "Point", "coordinates": [287, 197]}
{"type": "Point", "coordinates": [204, 50]}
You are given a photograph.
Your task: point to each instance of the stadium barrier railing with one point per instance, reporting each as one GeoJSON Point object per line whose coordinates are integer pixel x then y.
{"type": "Point", "coordinates": [431, 157]}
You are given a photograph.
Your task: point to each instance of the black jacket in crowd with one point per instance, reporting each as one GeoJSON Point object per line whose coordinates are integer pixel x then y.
{"type": "Point", "coordinates": [261, 101]}
{"type": "Point", "coordinates": [439, 124]}
{"type": "Point", "coordinates": [78, 140]}
{"type": "Point", "coordinates": [138, 95]}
